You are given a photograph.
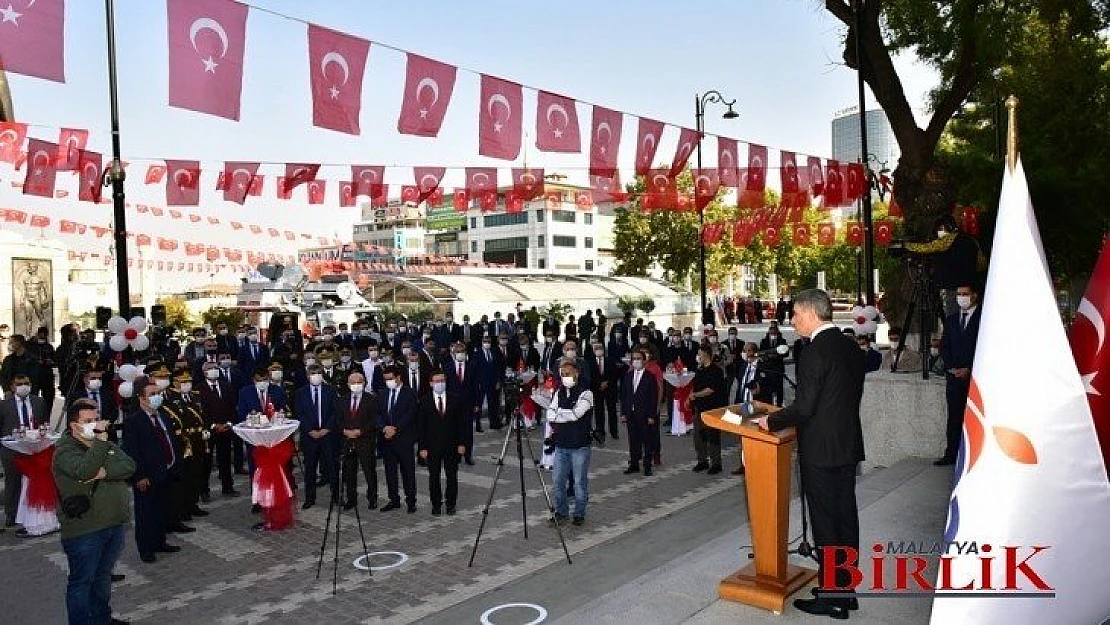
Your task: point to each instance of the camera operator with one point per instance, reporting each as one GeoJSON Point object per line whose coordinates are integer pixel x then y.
{"type": "Point", "coordinates": [957, 260]}
{"type": "Point", "coordinates": [91, 476]}
{"type": "Point", "coordinates": [569, 411]}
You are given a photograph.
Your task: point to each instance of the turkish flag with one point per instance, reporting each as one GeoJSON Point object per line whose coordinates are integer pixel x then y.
{"type": "Point", "coordinates": [770, 236]}
{"type": "Point", "coordinates": [481, 178]}
{"type": "Point", "coordinates": [826, 233]}
{"type": "Point", "coordinates": [742, 232]}
{"type": "Point", "coordinates": [435, 198]}
{"type": "Point", "coordinates": [499, 118]}
{"type": "Point", "coordinates": [12, 215]}
{"type": "Point", "coordinates": [461, 200]}
{"type": "Point", "coordinates": [194, 218]}
{"type": "Point", "coordinates": [12, 136]}
{"type": "Point", "coordinates": [884, 233]}
{"type": "Point", "coordinates": [427, 181]}
{"type": "Point", "coordinates": [297, 174]}
{"type": "Point", "coordinates": [788, 173]}
{"type": "Point", "coordinates": [290, 236]}
{"type": "Point", "coordinates": [238, 178]}
{"type": "Point", "coordinates": [379, 195]}
{"type": "Point", "coordinates": [31, 39]}
{"type": "Point", "coordinates": [273, 232]}
{"type": "Point", "coordinates": [154, 174]}
{"type": "Point", "coordinates": [853, 234]}
{"type": "Point", "coordinates": [1091, 349]}
{"type": "Point", "coordinates": [283, 192]}
{"type": "Point", "coordinates": [206, 43]}
{"type": "Point", "coordinates": [428, 88]}
{"type": "Point", "coordinates": [90, 165]}
{"type": "Point", "coordinates": [214, 221]}
{"type": "Point", "coordinates": [143, 240]}
{"type": "Point", "coordinates": [167, 245]}
{"type": "Point", "coordinates": [213, 253]}
{"type": "Point", "coordinates": [711, 233]}
{"type": "Point", "coordinates": [514, 202]}
{"type": "Point", "coordinates": [316, 189]}
{"type": "Point", "coordinates": [527, 183]}
{"type": "Point", "coordinates": [70, 143]}
{"type": "Point", "coordinates": [969, 220]}
{"type": "Point", "coordinates": [583, 200]}
{"type": "Point", "coordinates": [346, 194]}
{"type": "Point", "coordinates": [661, 189]}
{"type": "Point", "coordinates": [855, 185]}
{"type": "Point", "coordinates": [895, 209]}
{"type": "Point", "coordinates": [256, 185]}
{"type": "Point", "coordinates": [365, 175]}
{"type": "Point", "coordinates": [834, 187]}
{"type": "Point", "coordinates": [336, 62]}
{"type": "Point", "coordinates": [235, 225]}
{"type": "Point", "coordinates": [727, 162]}
{"type": "Point", "coordinates": [410, 194]}
{"type": "Point", "coordinates": [815, 176]}
{"type": "Point", "coordinates": [67, 227]}
{"type": "Point", "coordinates": [687, 141]}
{"type": "Point", "coordinates": [42, 173]}
{"type": "Point", "coordinates": [648, 132]}
{"type": "Point", "coordinates": [757, 169]}
{"type": "Point", "coordinates": [557, 124]}
{"type": "Point", "coordinates": [801, 235]}
{"type": "Point", "coordinates": [487, 199]}
{"type": "Point", "coordinates": [706, 184]}
{"type": "Point", "coordinates": [605, 141]}
{"type": "Point", "coordinates": [175, 214]}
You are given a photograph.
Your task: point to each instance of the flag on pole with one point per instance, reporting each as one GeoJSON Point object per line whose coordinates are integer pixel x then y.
{"type": "Point", "coordinates": [1089, 345]}
{"type": "Point", "coordinates": [1030, 478]}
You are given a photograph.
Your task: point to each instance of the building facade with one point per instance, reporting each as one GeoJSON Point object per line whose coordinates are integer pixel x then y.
{"type": "Point", "coordinates": [881, 143]}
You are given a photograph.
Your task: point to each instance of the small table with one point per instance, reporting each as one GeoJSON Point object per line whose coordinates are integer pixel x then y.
{"type": "Point", "coordinates": [38, 498]}
{"type": "Point", "coordinates": [682, 419]}
{"type": "Point", "coordinates": [270, 487]}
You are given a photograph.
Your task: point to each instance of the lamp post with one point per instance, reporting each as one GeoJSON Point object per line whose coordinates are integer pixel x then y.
{"type": "Point", "coordinates": [868, 233]}
{"type": "Point", "coordinates": [709, 97]}
{"type": "Point", "coordinates": [116, 175]}
{"type": "Point", "coordinates": [874, 184]}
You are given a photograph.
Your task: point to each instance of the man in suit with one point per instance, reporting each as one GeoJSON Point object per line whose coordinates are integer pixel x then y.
{"type": "Point", "coordinates": [225, 341]}
{"type": "Point", "coordinates": [254, 355]}
{"type": "Point", "coordinates": [417, 374]}
{"type": "Point", "coordinates": [708, 390]}
{"type": "Point", "coordinates": [157, 454]}
{"type": "Point", "coordinates": [19, 409]}
{"type": "Point", "coordinates": [255, 398]}
{"type": "Point", "coordinates": [316, 409]}
{"type": "Point", "coordinates": [232, 375]}
{"type": "Point", "coordinates": [774, 363]}
{"type": "Point", "coordinates": [825, 413]}
{"type": "Point", "coordinates": [462, 381]}
{"type": "Point", "coordinates": [358, 423]}
{"type": "Point", "coordinates": [606, 378]}
{"type": "Point", "coordinates": [443, 420]}
{"type": "Point", "coordinates": [92, 388]}
{"type": "Point", "coordinates": [640, 410]}
{"type": "Point", "coordinates": [551, 353]}
{"type": "Point", "coordinates": [217, 400]}
{"type": "Point", "coordinates": [372, 369]}
{"type": "Point", "coordinates": [957, 348]}
{"type": "Point", "coordinates": [396, 436]}
{"type": "Point", "coordinates": [489, 369]}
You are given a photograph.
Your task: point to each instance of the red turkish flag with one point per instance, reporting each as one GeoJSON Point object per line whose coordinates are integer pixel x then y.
{"type": "Point", "coordinates": [815, 176]}
{"type": "Point", "coordinates": [175, 214]}
{"type": "Point", "coordinates": [273, 232]}
{"type": "Point", "coordinates": [194, 218]}
{"type": "Point", "coordinates": [427, 181]}
{"type": "Point", "coordinates": [428, 88]}
{"type": "Point", "coordinates": [528, 183]}
{"type": "Point", "coordinates": [706, 185]}
{"type": "Point", "coordinates": [788, 174]}
{"type": "Point", "coordinates": [853, 235]}
{"type": "Point", "coordinates": [795, 214]}
{"type": "Point", "coordinates": [770, 236]}
{"type": "Point", "coordinates": [235, 225]}
{"type": "Point", "coordinates": [742, 232]}
{"type": "Point", "coordinates": [410, 194]}
{"type": "Point", "coordinates": [834, 186]}
{"type": "Point", "coordinates": [499, 118]}
{"type": "Point", "coordinates": [379, 195]}
{"type": "Point", "coordinates": [607, 189]}
{"type": "Point", "coordinates": [238, 178]}
{"type": "Point", "coordinates": [855, 185]}
{"type": "Point", "coordinates": [711, 233]}
{"type": "Point", "coordinates": [41, 171]}
{"type": "Point", "coordinates": [154, 174]}
{"type": "Point", "coordinates": [687, 141]}
{"type": "Point", "coordinates": [214, 221]}
{"type": "Point", "coordinates": [256, 185]}
{"type": "Point", "coordinates": [336, 63]}
{"type": "Point", "coordinates": [298, 174]}
{"type": "Point", "coordinates": [481, 178]}
{"type": "Point", "coordinates": [90, 166]}
{"type": "Point", "coordinates": [167, 245]}
{"type": "Point", "coordinates": [316, 189]}
{"type": "Point", "coordinates": [435, 198]}
{"type": "Point", "coordinates": [213, 253]}
{"type": "Point", "coordinates": [801, 235]}
{"type": "Point", "coordinates": [143, 240]}
{"type": "Point", "coordinates": [487, 199]}
{"type": "Point", "coordinates": [282, 190]}
{"type": "Point", "coordinates": [514, 202]}
{"type": "Point", "coordinates": [346, 194]}
{"type": "Point", "coordinates": [12, 136]}
{"type": "Point", "coordinates": [969, 220]}
{"type": "Point", "coordinates": [728, 161]}
{"type": "Point", "coordinates": [557, 124]}
{"type": "Point", "coordinates": [158, 212]}
{"type": "Point", "coordinates": [67, 227]}
{"type": "Point", "coordinates": [895, 209]}
{"type": "Point", "coordinates": [70, 143]}
{"type": "Point", "coordinates": [1090, 347]}
{"type": "Point", "coordinates": [826, 233]}
{"type": "Point", "coordinates": [757, 169]}
{"type": "Point", "coordinates": [290, 236]}
{"type": "Point", "coordinates": [12, 215]}
{"type": "Point", "coordinates": [661, 190]}
{"type": "Point", "coordinates": [884, 233]}
{"type": "Point", "coordinates": [605, 141]}
{"type": "Point", "coordinates": [183, 183]}
{"type": "Point", "coordinates": [553, 200]}
{"type": "Point", "coordinates": [583, 200]}
{"type": "Point", "coordinates": [206, 43]}
{"type": "Point", "coordinates": [31, 39]}
{"type": "Point", "coordinates": [648, 133]}
{"type": "Point", "coordinates": [461, 200]}
{"type": "Point", "coordinates": [365, 175]}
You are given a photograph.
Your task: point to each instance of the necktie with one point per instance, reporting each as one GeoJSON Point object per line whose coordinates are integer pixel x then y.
{"type": "Point", "coordinates": [254, 351]}
{"type": "Point", "coordinates": [963, 321]}
{"type": "Point", "coordinates": [216, 390]}
{"type": "Point", "coordinates": [25, 414]}
{"type": "Point", "coordinates": [96, 398]}
{"type": "Point", "coordinates": [439, 401]}
{"type": "Point", "coordinates": [316, 406]}
{"type": "Point", "coordinates": [636, 381]}
{"type": "Point", "coordinates": [392, 400]}
{"type": "Point", "coordinates": [460, 373]}
{"type": "Point", "coordinates": [601, 366]}
{"type": "Point", "coordinates": [163, 439]}
{"type": "Point", "coordinates": [262, 400]}
{"type": "Point", "coordinates": [354, 405]}
{"type": "Point", "coordinates": [415, 386]}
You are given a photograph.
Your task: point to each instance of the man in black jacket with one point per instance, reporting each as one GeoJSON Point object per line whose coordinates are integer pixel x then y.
{"type": "Point", "coordinates": [443, 421]}
{"type": "Point", "coordinates": [957, 347]}
{"type": "Point", "coordinates": [830, 438]}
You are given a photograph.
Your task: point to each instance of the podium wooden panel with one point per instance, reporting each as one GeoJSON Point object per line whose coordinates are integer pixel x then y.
{"type": "Point", "coordinates": [770, 579]}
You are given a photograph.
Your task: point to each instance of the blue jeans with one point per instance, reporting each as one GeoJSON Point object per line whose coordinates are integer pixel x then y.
{"type": "Point", "coordinates": [91, 558]}
{"type": "Point", "coordinates": [568, 461]}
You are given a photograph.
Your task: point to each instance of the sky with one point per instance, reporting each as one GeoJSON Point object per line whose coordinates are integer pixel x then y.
{"type": "Point", "coordinates": [779, 59]}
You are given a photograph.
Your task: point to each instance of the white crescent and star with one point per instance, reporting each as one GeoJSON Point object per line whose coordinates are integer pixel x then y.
{"type": "Point", "coordinates": [8, 137]}
{"type": "Point", "coordinates": [435, 182]}
{"type": "Point", "coordinates": [248, 174]}
{"type": "Point", "coordinates": [341, 61]}
{"type": "Point", "coordinates": [703, 178]}
{"type": "Point", "coordinates": [1092, 313]}
{"type": "Point", "coordinates": [207, 23]}
{"type": "Point", "coordinates": [35, 161]}
{"type": "Point", "coordinates": [90, 171]}
{"type": "Point", "coordinates": [368, 175]}
{"type": "Point", "coordinates": [183, 173]}
{"type": "Point", "coordinates": [427, 82]}
{"type": "Point", "coordinates": [498, 98]}
{"type": "Point", "coordinates": [656, 178]}
{"type": "Point", "coordinates": [726, 155]}
{"type": "Point", "coordinates": [528, 179]}
{"type": "Point", "coordinates": [684, 152]}
{"type": "Point", "coordinates": [480, 175]}
{"type": "Point", "coordinates": [557, 108]}
{"type": "Point", "coordinates": [648, 151]}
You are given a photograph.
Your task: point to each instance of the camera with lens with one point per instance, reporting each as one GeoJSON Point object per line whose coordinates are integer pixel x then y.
{"type": "Point", "coordinates": [513, 387]}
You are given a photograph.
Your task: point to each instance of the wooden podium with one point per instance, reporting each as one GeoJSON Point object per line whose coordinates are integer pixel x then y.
{"type": "Point", "coordinates": [770, 580]}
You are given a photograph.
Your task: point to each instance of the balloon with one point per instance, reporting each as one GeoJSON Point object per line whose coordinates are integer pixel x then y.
{"type": "Point", "coordinates": [140, 342]}
{"type": "Point", "coordinates": [117, 325]}
{"type": "Point", "coordinates": [126, 389]}
{"type": "Point", "coordinates": [117, 343]}
{"type": "Point", "coordinates": [138, 323]}
{"type": "Point", "coordinates": [130, 334]}
{"type": "Point", "coordinates": [128, 372]}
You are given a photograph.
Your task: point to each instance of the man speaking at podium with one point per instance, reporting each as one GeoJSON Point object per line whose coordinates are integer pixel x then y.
{"type": "Point", "coordinates": [830, 437]}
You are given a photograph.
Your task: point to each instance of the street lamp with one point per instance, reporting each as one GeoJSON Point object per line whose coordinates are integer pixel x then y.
{"type": "Point", "coordinates": [709, 97]}
{"type": "Point", "coordinates": [865, 200]}
{"type": "Point", "coordinates": [115, 174]}
{"type": "Point", "coordinates": [874, 183]}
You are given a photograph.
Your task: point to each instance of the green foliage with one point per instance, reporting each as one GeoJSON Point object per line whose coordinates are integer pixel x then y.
{"type": "Point", "coordinates": [559, 310]}
{"type": "Point", "coordinates": [216, 315]}
{"type": "Point", "coordinates": [627, 304]}
{"type": "Point", "coordinates": [646, 304]}
{"type": "Point", "coordinates": [415, 312]}
{"type": "Point", "coordinates": [177, 314]}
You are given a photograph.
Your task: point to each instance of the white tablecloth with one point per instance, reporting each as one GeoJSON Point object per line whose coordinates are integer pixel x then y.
{"type": "Point", "coordinates": [679, 427]}
{"type": "Point", "coordinates": [36, 522]}
{"type": "Point", "coordinates": [266, 436]}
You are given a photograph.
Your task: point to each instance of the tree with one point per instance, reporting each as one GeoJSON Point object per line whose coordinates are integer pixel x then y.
{"type": "Point", "coordinates": [178, 315]}
{"type": "Point", "coordinates": [214, 316]}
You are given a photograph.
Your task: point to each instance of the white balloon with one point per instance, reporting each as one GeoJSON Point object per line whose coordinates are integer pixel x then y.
{"type": "Point", "coordinates": [117, 343]}
{"type": "Point", "coordinates": [140, 342]}
{"type": "Point", "coordinates": [138, 323]}
{"type": "Point", "coordinates": [117, 325]}
{"type": "Point", "coordinates": [126, 389]}
{"type": "Point", "coordinates": [128, 372]}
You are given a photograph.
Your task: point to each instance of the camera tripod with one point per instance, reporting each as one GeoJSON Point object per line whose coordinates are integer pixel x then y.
{"type": "Point", "coordinates": [335, 502]}
{"type": "Point", "coordinates": [922, 299]}
{"type": "Point", "coordinates": [516, 427]}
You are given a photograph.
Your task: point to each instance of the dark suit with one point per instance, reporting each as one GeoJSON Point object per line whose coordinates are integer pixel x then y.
{"type": "Point", "coordinates": [152, 505]}
{"type": "Point", "coordinates": [359, 451]}
{"type": "Point", "coordinates": [423, 374]}
{"type": "Point", "coordinates": [490, 371]}
{"type": "Point", "coordinates": [9, 421]}
{"type": "Point", "coordinates": [638, 406]}
{"type": "Point", "coordinates": [375, 380]}
{"type": "Point", "coordinates": [467, 391]}
{"type": "Point", "coordinates": [605, 370]}
{"type": "Point", "coordinates": [227, 344]}
{"type": "Point", "coordinates": [105, 400]}
{"type": "Point", "coordinates": [249, 402]}
{"type": "Point", "coordinates": [219, 409]}
{"type": "Point", "coordinates": [440, 436]}
{"type": "Point", "coordinates": [830, 437]}
{"type": "Point", "coordinates": [550, 355]}
{"type": "Point", "coordinates": [957, 348]}
{"type": "Point", "coordinates": [397, 452]}
{"type": "Point", "coordinates": [318, 415]}
{"type": "Point", "coordinates": [251, 357]}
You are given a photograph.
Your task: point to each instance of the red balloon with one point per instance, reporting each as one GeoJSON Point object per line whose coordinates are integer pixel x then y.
{"type": "Point", "coordinates": [861, 320]}
{"type": "Point", "coordinates": [130, 334]}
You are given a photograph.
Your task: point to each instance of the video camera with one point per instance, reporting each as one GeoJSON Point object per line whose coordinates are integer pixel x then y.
{"type": "Point", "coordinates": [776, 352]}
{"type": "Point", "coordinates": [513, 387]}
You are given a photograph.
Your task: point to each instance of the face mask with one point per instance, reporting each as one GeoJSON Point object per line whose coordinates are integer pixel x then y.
{"type": "Point", "coordinates": [439, 388]}
{"type": "Point", "coordinates": [600, 353]}
{"type": "Point", "coordinates": [186, 388]}
{"type": "Point", "coordinates": [713, 339]}
{"type": "Point", "coordinates": [390, 335]}
{"type": "Point", "coordinates": [88, 430]}
{"type": "Point", "coordinates": [315, 379]}
{"type": "Point", "coordinates": [374, 356]}
{"type": "Point", "coordinates": [388, 360]}
{"type": "Point", "coordinates": [261, 385]}
{"type": "Point", "coordinates": [731, 337]}
{"type": "Point", "coordinates": [162, 383]}
{"type": "Point", "coordinates": [687, 336]}
{"type": "Point", "coordinates": [427, 336]}
{"type": "Point", "coordinates": [934, 352]}
{"type": "Point", "coordinates": [406, 350]}
{"type": "Point", "coordinates": [225, 362]}
{"type": "Point", "coordinates": [212, 374]}
{"type": "Point", "coordinates": [486, 345]}
{"type": "Point", "coordinates": [327, 363]}
{"type": "Point", "coordinates": [570, 353]}
{"type": "Point", "coordinates": [276, 376]}
{"type": "Point", "coordinates": [253, 338]}
{"type": "Point", "coordinates": [95, 384]}
{"type": "Point", "coordinates": [392, 384]}
{"type": "Point", "coordinates": [364, 333]}
{"type": "Point", "coordinates": [240, 335]}
{"type": "Point", "coordinates": [345, 359]}
{"type": "Point", "coordinates": [414, 364]}
{"type": "Point", "coordinates": [460, 357]}
{"type": "Point", "coordinates": [963, 301]}
{"type": "Point", "coordinates": [309, 361]}
{"type": "Point", "coordinates": [940, 234]}
{"type": "Point", "coordinates": [643, 340]}
{"type": "Point", "coordinates": [637, 364]}
{"type": "Point", "coordinates": [155, 401]}
{"type": "Point", "coordinates": [503, 343]}
{"type": "Point", "coordinates": [223, 332]}
{"type": "Point", "coordinates": [357, 388]}
{"type": "Point", "coordinates": [568, 381]}
{"type": "Point", "coordinates": [894, 340]}
{"type": "Point", "coordinates": [23, 390]}
{"type": "Point", "coordinates": [863, 347]}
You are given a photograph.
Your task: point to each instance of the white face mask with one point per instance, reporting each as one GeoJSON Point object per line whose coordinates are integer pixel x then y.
{"type": "Point", "coordinates": [406, 350]}
{"type": "Point", "coordinates": [186, 387]}
{"type": "Point", "coordinates": [548, 340]}
{"type": "Point", "coordinates": [23, 390]}
{"type": "Point", "coordinates": [88, 430]}
{"type": "Point", "coordinates": [223, 332]}
{"type": "Point", "coordinates": [600, 353]}
{"type": "Point", "coordinates": [253, 338]}
{"type": "Point", "coordinates": [439, 388]}
{"type": "Point", "coordinates": [374, 356]}
{"type": "Point", "coordinates": [414, 364]}
{"type": "Point", "coordinates": [392, 384]}
{"type": "Point", "coordinates": [460, 356]}
{"type": "Point", "coordinates": [162, 383]}
{"type": "Point", "coordinates": [240, 335]}
{"type": "Point", "coordinates": [570, 353]}
{"type": "Point", "coordinates": [315, 379]}
{"type": "Point", "coordinates": [568, 381]}
{"type": "Point", "coordinates": [276, 376]}
{"type": "Point", "coordinates": [226, 362]}
{"type": "Point", "coordinates": [95, 384]}
{"type": "Point", "coordinates": [261, 385]}
{"type": "Point", "coordinates": [155, 401]}
{"type": "Point", "coordinates": [637, 364]}
{"type": "Point", "coordinates": [212, 374]}
{"type": "Point", "coordinates": [933, 351]}
{"type": "Point", "coordinates": [308, 362]}
{"type": "Point", "coordinates": [345, 359]}
{"type": "Point", "coordinates": [963, 301]}
{"type": "Point", "coordinates": [327, 363]}
{"type": "Point", "coordinates": [357, 388]}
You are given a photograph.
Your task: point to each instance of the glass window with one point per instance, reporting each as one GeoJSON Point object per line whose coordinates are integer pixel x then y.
{"type": "Point", "coordinates": [542, 263]}
{"type": "Point", "coordinates": [563, 216]}
{"type": "Point", "coordinates": [539, 215]}
{"type": "Point", "coordinates": [589, 265]}
{"type": "Point", "coordinates": [589, 243]}
{"type": "Point", "coordinates": [473, 223]}
{"type": "Point", "coordinates": [539, 240]}
{"type": "Point", "coordinates": [564, 241]}
{"type": "Point", "coordinates": [588, 218]}
{"type": "Point", "coordinates": [473, 246]}
{"type": "Point", "coordinates": [505, 219]}
{"type": "Point", "coordinates": [507, 244]}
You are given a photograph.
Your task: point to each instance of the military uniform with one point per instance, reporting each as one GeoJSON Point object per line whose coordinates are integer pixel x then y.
{"type": "Point", "coordinates": [186, 417]}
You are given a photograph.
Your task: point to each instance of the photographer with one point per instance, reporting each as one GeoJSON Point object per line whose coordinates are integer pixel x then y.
{"type": "Point", "coordinates": [91, 476]}
{"type": "Point", "coordinates": [957, 260]}
{"type": "Point", "coordinates": [569, 411]}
